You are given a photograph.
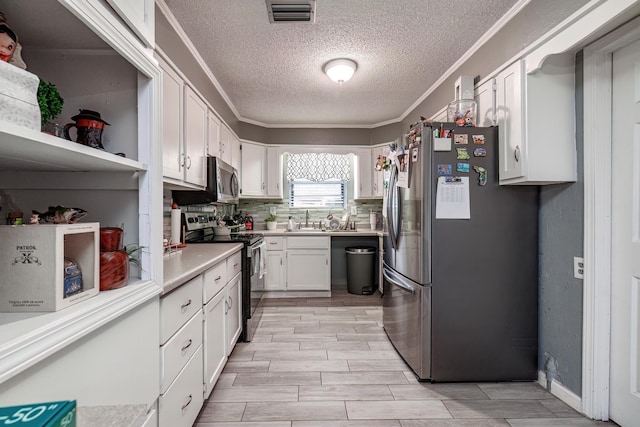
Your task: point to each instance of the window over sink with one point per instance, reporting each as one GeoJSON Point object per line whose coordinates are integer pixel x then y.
{"type": "Point", "coordinates": [318, 180]}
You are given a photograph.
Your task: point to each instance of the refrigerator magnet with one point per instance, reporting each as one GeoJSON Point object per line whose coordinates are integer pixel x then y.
{"type": "Point", "coordinates": [414, 155]}
{"type": "Point", "coordinates": [482, 175]}
{"type": "Point", "coordinates": [461, 139]}
{"type": "Point", "coordinates": [444, 169]}
{"type": "Point", "coordinates": [479, 152]}
{"type": "Point", "coordinates": [478, 139]}
{"type": "Point", "coordinates": [462, 154]}
{"type": "Point", "coordinates": [441, 144]}
{"type": "Point", "coordinates": [462, 167]}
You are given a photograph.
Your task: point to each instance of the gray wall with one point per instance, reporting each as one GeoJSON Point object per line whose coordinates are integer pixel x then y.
{"type": "Point", "coordinates": [561, 238]}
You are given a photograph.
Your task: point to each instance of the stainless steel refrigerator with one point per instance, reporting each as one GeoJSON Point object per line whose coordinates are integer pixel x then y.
{"type": "Point", "coordinates": [460, 284]}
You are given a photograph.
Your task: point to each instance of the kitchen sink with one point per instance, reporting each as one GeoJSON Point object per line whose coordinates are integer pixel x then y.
{"type": "Point", "coordinates": [306, 230]}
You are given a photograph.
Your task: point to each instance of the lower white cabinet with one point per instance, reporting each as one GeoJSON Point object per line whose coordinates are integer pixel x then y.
{"type": "Point", "coordinates": [181, 403]}
{"type": "Point", "coordinates": [275, 277]}
{"type": "Point", "coordinates": [233, 319]}
{"type": "Point", "coordinates": [308, 263]}
{"type": "Point", "coordinates": [215, 350]}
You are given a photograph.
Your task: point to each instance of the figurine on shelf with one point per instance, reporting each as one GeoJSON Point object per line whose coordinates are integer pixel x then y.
{"type": "Point", "coordinates": [61, 215]}
{"type": "Point", "coordinates": [10, 49]}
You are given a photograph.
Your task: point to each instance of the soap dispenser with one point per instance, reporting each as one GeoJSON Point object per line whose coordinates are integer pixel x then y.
{"type": "Point", "coordinates": [290, 224]}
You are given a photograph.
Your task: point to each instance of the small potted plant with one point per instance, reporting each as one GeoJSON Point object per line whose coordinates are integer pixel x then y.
{"type": "Point", "coordinates": [49, 101]}
{"type": "Point", "coordinates": [271, 222]}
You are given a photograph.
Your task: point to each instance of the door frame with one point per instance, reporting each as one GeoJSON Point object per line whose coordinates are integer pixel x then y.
{"type": "Point", "coordinates": [597, 218]}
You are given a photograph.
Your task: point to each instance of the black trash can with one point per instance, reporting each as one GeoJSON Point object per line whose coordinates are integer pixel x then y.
{"type": "Point", "coordinates": [360, 270]}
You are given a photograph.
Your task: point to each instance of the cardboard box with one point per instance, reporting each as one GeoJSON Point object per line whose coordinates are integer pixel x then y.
{"type": "Point", "coordinates": [51, 414]}
{"type": "Point", "coordinates": [19, 96]}
{"type": "Point", "coordinates": [32, 266]}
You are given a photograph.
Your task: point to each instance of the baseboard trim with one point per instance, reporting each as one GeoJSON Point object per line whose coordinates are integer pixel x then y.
{"type": "Point", "coordinates": [561, 392]}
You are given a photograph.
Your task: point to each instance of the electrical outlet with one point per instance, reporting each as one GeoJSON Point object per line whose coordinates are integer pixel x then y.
{"type": "Point", "coordinates": [272, 210]}
{"type": "Point", "coordinates": [578, 267]}
{"type": "Point", "coordinates": [354, 210]}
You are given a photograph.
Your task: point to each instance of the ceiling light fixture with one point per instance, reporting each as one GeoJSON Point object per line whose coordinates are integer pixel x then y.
{"type": "Point", "coordinates": [340, 70]}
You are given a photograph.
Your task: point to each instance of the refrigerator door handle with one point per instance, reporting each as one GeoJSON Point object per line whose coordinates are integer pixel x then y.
{"type": "Point", "coordinates": [402, 286]}
{"type": "Point", "coordinates": [393, 208]}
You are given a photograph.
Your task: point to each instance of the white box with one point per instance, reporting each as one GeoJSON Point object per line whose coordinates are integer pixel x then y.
{"type": "Point", "coordinates": [32, 265]}
{"type": "Point", "coordinates": [19, 96]}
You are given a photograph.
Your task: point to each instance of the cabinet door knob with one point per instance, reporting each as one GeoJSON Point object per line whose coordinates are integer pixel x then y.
{"type": "Point", "coordinates": [516, 153]}
{"type": "Point", "coordinates": [189, 399]}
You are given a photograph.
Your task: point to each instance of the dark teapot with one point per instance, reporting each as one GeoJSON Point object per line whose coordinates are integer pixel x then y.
{"type": "Point", "coordinates": [89, 128]}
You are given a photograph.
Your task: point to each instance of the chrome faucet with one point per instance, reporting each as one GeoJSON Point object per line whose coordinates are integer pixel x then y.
{"type": "Point", "coordinates": [307, 216]}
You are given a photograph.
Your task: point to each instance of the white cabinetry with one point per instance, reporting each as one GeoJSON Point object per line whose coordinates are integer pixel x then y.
{"type": "Point", "coordinates": [236, 157]}
{"type": "Point", "coordinates": [377, 190]}
{"type": "Point", "coordinates": [195, 138]}
{"type": "Point", "coordinates": [119, 79]}
{"type": "Point", "coordinates": [275, 278]}
{"type": "Point", "coordinates": [536, 118]}
{"type": "Point", "coordinates": [308, 263]}
{"type": "Point", "coordinates": [213, 135]}
{"type": "Point", "coordinates": [274, 172]}
{"type": "Point", "coordinates": [225, 144]}
{"type": "Point", "coordinates": [184, 130]}
{"type": "Point", "coordinates": [181, 355]}
{"type": "Point", "coordinates": [254, 167]}
{"type": "Point", "coordinates": [363, 185]}
{"type": "Point", "coordinates": [485, 102]}
{"type": "Point", "coordinates": [233, 319]}
{"type": "Point", "coordinates": [139, 15]}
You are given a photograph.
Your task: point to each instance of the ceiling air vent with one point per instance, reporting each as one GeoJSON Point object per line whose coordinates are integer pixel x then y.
{"type": "Point", "coordinates": [292, 11]}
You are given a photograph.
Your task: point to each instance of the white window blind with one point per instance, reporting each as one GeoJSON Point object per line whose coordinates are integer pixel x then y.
{"type": "Point", "coordinates": [308, 194]}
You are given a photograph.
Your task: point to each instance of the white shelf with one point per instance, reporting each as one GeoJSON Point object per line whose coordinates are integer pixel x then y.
{"type": "Point", "coordinates": [27, 149]}
{"type": "Point", "coordinates": [28, 338]}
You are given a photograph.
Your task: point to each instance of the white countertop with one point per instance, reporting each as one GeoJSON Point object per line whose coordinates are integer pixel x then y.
{"type": "Point", "coordinates": [283, 232]}
{"type": "Point", "coordinates": [192, 260]}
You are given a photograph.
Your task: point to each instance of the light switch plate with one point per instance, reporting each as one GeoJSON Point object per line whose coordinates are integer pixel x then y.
{"type": "Point", "coordinates": [578, 267]}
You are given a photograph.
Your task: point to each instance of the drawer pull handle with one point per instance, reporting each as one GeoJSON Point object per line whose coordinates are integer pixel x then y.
{"type": "Point", "coordinates": [235, 265]}
{"type": "Point", "coordinates": [185, 305]}
{"type": "Point", "coordinates": [273, 243]}
{"type": "Point", "coordinates": [230, 303]}
{"type": "Point", "coordinates": [218, 278]}
{"type": "Point", "coordinates": [187, 345]}
{"type": "Point", "coordinates": [226, 307]}
{"type": "Point", "coordinates": [188, 402]}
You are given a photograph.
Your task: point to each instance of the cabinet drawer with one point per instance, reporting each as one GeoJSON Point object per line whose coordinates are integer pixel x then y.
{"type": "Point", "coordinates": [179, 306]}
{"type": "Point", "coordinates": [308, 242]}
{"type": "Point", "coordinates": [179, 349]}
{"type": "Point", "coordinates": [275, 243]}
{"type": "Point", "coordinates": [214, 280]}
{"type": "Point", "coordinates": [182, 402]}
{"type": "Point", "coordinates": [234, 264]}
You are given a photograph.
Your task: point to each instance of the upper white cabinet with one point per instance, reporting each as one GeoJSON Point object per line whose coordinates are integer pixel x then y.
{"type": "Point", "coordinates": [274, 172]}
{"type": "Point", "coordinates": [377, 190]}
{"type": "Point", "coordinates": [226, 144]}
{"type": "Point", "coordinates": [184, 130]}
{"type": "Point", "coordinates": [485, 102]}
{"type": "Point", "coordinates": [364, 174]}
{"type": "Point", "coordinates": [140, 16]}
{"type": "Point", "coordinates": [254, 168]}
{"type": "Point", "coordinates": [195, 138]}
{"type": "Point", "coordinates": [213, 134]}
{"type": "Point", "coordinates": [536, 118]}
{"type": "Point", "coordinates": [236, 156]}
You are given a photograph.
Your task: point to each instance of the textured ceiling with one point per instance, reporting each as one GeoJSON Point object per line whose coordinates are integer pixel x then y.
{"type": "Point", "coordinates": [272, 73]}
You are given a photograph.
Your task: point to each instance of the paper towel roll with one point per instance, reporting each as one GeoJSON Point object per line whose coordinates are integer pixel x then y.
{"type": "Point", "coordinates": [176, 215]}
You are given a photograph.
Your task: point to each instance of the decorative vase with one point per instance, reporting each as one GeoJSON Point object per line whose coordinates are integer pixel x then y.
{"type": "Point", "coordinates": [271, 225]}
{"type": "Point", "coordinates": [114, 269]}
{"type": "Point", "coordinates": [110, 239]}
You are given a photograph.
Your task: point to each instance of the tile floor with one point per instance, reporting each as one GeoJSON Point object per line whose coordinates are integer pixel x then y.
{"type": "Point", "coordinates": [326, 362]}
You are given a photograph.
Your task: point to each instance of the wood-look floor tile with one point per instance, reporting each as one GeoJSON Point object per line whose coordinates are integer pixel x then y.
{"type": "Point", "coordinates": [335, 378]}
{"type": "Point", "coordinates": [278, 378]}
{"type": "Point", "coordinates": [362, 355]}
{"type": "Point", "coordinates": [241, 356]}
{"type": "Point", "coordinates": [303, 310]}
{"type": "Point", "coordinates": [274, 331]}
{"type": "Point", "coordinates": [333, 329]}
{"type": "Point", "coordinates": [362, 337]}
{"type": "Point", "coordinates": [370, 329]}
{"type": "Point", "coordinates": [389, 410]}
{"type": "Point", "coordinates": [455, 423]}
{"type": "Point", "coordinates": [518, 391]}
{"type": "Point", "coordinates": [364, 365]}
{"type": "Point", "coordinates": [257, 366]}
{"type": "Point", "coordinates": [497, 409]}
{"type": "Point", "coordinates": [286, 411]}
{"type": "Point", "coordinates": [245, 424]}
{"type": "Point", "coordinates": [558, 422]}
{"type": "Point", "coordinates": [328, 337]}
{"type": "Point", "coordinates": [367, 423]}
{"type": "Point", "coordinates": [282, 355]}
{"type": "Point", "coordinates": [411, 377]}
{"type": "Point", "coordinates": [437, 391]}
{"type": "Point", "coordinates": [226, 379]}
{"type": "Point", "coordinates": [255, 394]}
{"type": "Point", "coordinates": [265, 346]}
{"type": "Point", "coordinates": [559, 408]}
{"type": "Point", "coordinates": [381, 345]}
{"type": "Point", "coordinates": [262, 338]}
{"type": "Point", "coordinates": [345, 392]}
{"type": "Point", "coordinates": [337, 345]}
{"type": "Point", "coordinates": [269, 324]}
{"type": "Point", "coordinates": [217, 411]}
{"type": "Point", "coordinates": [309, 366]}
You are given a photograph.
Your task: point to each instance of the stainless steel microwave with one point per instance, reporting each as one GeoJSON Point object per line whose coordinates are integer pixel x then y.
{"type": "Point", "coordinates": [222, 186]}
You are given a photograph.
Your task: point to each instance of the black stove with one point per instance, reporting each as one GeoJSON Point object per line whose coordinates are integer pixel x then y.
{"type": "Point", "coordinates": [199, 229]}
